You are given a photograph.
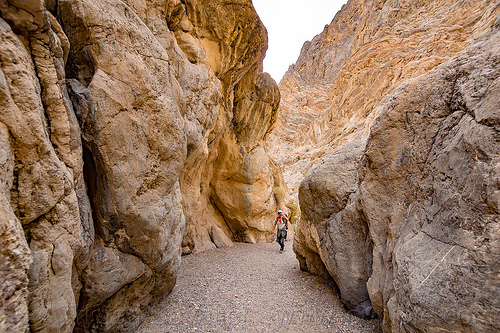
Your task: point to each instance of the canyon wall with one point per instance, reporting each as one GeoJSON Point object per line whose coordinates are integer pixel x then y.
{"type": "Point", "coordinates": [330, 93]}
{"type": "Point", "coordinates": [429, 191]}
{"type": "Point", "coordinates": [128, 130]}
{"type": "Point", "coordinates": [392, 113]}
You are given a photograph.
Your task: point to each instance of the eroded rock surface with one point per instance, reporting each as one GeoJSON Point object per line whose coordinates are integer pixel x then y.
{"type": "Point", "coordinates": [46, 165]}
{"type": "Point", "coordinates": [332, 236]}
{"type": "Point", "coordinates": [417, 209]}
{"type": "Point", "coordinates": [429, 190]}
{"type": "Point", "coordinates": [127, 128]}
{"type": "Point", "coordinates": [329, 95]}
{"type": "Point", "coordinates": [14, 251]}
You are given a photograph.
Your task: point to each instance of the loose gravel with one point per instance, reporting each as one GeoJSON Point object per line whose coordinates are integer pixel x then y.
{"type": "Point", "coordinates": [251, 288]}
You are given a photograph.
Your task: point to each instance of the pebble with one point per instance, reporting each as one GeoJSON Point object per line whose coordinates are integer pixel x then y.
{"type": "Point", "coordinates": [252, 288]}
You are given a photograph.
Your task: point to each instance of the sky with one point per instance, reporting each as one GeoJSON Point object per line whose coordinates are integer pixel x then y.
{"type": "Point", "coordinates": [289, 24]}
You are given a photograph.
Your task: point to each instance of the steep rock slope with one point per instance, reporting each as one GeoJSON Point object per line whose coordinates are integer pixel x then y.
{"type": "Point", "coordinates": [429, 191]}
{"type": "Point", "coordinates": [329, 95]}
{"type": "Point", "coordinates": [409, 223]}
{"type": "Point", "coordinates": [127, 128]}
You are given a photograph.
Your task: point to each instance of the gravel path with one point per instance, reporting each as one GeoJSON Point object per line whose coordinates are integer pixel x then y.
{"type": "Point", "coordinates": [251, 288]}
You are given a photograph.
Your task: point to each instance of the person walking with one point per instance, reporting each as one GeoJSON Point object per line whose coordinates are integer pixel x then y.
{"type": "Point", "coordinates": [281, 222]}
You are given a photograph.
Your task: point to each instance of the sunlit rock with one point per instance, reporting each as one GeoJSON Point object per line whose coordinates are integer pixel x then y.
{"type": "Point", "coordinates": [127, 128]}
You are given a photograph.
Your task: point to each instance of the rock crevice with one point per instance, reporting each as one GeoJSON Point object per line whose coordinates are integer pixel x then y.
{"type": "Point", "coordinates": [115, 116]}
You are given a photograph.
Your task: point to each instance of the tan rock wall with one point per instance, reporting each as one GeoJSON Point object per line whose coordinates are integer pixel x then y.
{"type": "Point", "coordinates": [423, 194]}
{"type": "Point", "coordinates": [14, 251]}
{"type": "Point", "coordinates": [127, 128]}
{"type": "Point", "coordinates": [46, 171]}
{"type": "Point", "coordinates": [369, 48]}
{"type": "Point", "coordinates": [428, 192]}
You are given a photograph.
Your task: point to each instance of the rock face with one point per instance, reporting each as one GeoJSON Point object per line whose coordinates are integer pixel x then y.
{"type": "Point", "coordinates": [127, 129]}
{"type": "Point", "coordinates": [408, 224]}
{"type": "Point", "coordinates": [329, 95]}
{"type": "Point", "coordinates": [45, 173]}
{"type": "Point", "coordinates": [14, 254]}
{"type": "Point", "coordinates": [429, 190]}
{"type": "Point", "coordinates": [332, 235]}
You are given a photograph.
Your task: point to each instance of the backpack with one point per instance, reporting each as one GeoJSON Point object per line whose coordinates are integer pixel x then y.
{"type": "Point", "coordinates": [286, 222]}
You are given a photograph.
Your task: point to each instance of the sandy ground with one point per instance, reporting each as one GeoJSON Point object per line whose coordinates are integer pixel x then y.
{"type": "Point", "coordinates": [251, 288]}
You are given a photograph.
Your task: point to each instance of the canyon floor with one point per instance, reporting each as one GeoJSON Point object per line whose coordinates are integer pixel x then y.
{"type": "Point", "coordinates": [251, 288]}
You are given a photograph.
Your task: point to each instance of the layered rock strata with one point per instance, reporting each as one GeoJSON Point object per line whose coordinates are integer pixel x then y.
{"type": "Point", "coordinates": [429, 191]}
{"type": "Point", "coordinates": [408, 224]}
{"type": "Point", "coordinates": [127, 128]}
{"type": "Point", "coordinates": [329, 95]}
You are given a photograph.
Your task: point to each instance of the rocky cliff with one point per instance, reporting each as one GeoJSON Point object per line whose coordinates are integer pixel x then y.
{"type": "Point", "coordinates": [396, 106]}
{"type": "Point", "coordinates": [329, 95]}
{"type": "Point", "coordinates": [128, 129]}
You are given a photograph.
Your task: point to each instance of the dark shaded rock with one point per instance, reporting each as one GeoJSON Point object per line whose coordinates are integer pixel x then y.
{"type": "Point", "coordinates": [328, 197]}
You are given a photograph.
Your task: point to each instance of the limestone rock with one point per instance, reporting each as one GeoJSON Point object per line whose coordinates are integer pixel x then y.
{"type": "Point", "coordinates": [206, 240]}
{"type": "Point", "coordinates": [370, 47]}
{"type": "Point", "coordinates": [244, 174]}
{"type": "Point", "coordinates": [219, 238]}
{"type": "Point", "coordinates": [108, 271]}
{"type": "Point", "coordinates": [114, 116]}
{"type": "Point", "coordinates": [130, 110]}
{"type": "Point", "coordinates": [341, 244]}
{"type": "Point", "coordinates": [186, 250]}
{"type": "Point", "coordinates": [14, 251]}
{"type": "Point", "coordinates": [47, 163]}
{"type": "Point", "coordinates": [230, 184]}
{"type": "Point", "coordinates": [290, 234]}
{"type": "Point", "coordinates": [232, 35]}
{"type": "Point", "coordinates": [430, 195]}
{"type": "Point", "coordinates": [243, 193]}
{"type": "Point", "coordinates": [423, 194]}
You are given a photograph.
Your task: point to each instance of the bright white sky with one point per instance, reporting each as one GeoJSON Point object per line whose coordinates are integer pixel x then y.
{"type": "Point", "coordinates": [289, 24]}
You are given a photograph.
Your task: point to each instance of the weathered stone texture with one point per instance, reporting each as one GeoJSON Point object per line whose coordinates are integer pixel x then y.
{"type": "Point", "coordinates": [411, 222]}
{"type": "Point", "coordinates": [45, 141]}
{"type": "Point", "coordinates": [130, 111]}
{"type": "Point", "coordinates": [369, 48]}
{"type": "Point", "coordinates": [15, 257]}
{"type": "Point", "coordinates": [115, 118]}
{"type": "Point", "coordinates": [332, 235]}
{"type": "Point", "coordinates": [429, 191]}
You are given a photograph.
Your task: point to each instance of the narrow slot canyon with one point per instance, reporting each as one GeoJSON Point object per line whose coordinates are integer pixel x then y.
{"type": "Point", "coordinates": [147, 150]}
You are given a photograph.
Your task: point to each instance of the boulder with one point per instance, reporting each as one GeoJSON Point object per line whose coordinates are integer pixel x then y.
{"type": "Point", "coordinates": [429, 192]}
{"type": "Point", "coordinates": [219, 238]}
{"type": "Point", "coordinates": [332, 232]}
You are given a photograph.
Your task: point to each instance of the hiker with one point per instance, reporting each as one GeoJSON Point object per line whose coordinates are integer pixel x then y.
{"type": "Point", "coordinates": [282, 223]}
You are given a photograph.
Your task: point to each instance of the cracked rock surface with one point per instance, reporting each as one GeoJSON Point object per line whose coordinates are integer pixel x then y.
{"type": "Point", "coordinates": [128, 129]}
{"type": "Point", "coordinates": [421, 197]}
{"type": "Point", "coordinates": [429, 190]}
